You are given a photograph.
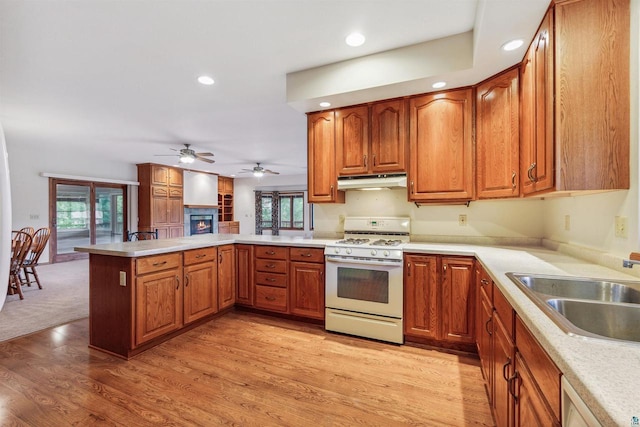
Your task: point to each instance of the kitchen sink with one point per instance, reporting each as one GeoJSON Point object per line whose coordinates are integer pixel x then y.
{"type": "Point", "coordinates": [618, 321]}
{"type": "Point", "coordinates": [580, 306]}
{"type": "Point", "coordinates": [580, 288]}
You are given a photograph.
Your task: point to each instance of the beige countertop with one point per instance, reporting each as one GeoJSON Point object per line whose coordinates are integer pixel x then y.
{"type": "Point", "coordinates": [605, 373]}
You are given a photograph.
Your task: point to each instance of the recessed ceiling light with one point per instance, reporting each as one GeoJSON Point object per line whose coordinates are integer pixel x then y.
{"type": "Point", "coordinates": [205, 80]}
{"type": "Point", "coordinates": [512, 45]}
{"type": "Point", "coordinates": [325, 104]}
{"type": "Point", "coordinates": [439, 85]}
{"type": "Point", "coordinates": [355, 39]}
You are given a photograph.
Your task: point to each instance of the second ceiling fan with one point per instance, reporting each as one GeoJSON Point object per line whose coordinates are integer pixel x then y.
{"type": "Point", "coordinates": [259, 171]}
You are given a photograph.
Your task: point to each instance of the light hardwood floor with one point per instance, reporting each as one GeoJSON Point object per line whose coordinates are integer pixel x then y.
{"type": "Point", "coordinates": [240, 369]}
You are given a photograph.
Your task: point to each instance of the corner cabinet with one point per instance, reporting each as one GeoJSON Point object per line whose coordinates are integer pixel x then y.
{"type": "Point", "coordinates": [441, 147]}
{"type": "Point", "coordinates": [439, 300]}
{"type": "Point", "coordinates": [498, 136]}
{"type": "Point", "coordinates": [160, 200]}
{"type": "Point", "coordinates": [321, 159]}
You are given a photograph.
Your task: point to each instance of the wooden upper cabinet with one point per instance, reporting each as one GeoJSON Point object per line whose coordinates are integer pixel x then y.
{"type": "Point", "coordinates": [352, 140]}
{"type": "Point", "coordinates": [160, 200]}
{"type": "Point", "coordinates": [371, 139]}
{"type": "Point", "coordinates": [536, 143]}
{"type": "Point", "coordinates": [498, 136]}
{"type": "Point", "coordinates": [441, 147]}
{"type": "Point", "coordinates": [592, 119]}
{"type": "Point", "coordinates": [321, 161]}
{"type": "Point", "coordinates": [388, 136]}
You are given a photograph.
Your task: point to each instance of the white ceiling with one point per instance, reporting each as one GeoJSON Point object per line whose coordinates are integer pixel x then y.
{"type": "Point", "coordinates": [116, 79]}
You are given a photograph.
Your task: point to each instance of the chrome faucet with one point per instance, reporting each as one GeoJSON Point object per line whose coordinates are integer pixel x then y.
{"type": "Point", "coordinates": [629, 263]}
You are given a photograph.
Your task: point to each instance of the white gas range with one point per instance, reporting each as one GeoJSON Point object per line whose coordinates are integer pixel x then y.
{"type": "Point", "coordinates": [364, 288]}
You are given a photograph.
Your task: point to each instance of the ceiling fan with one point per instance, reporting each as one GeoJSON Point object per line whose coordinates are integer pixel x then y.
{"type": "Point", "coordinates": [259, 171]}
{"type": "Point", "coordinates": [187, 155]}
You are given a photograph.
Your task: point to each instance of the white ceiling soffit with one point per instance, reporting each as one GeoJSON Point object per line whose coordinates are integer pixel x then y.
{"type": "Point", "coordinates": [461, 60]}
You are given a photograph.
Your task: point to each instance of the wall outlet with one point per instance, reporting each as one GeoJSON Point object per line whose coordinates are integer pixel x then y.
{"type": "Point", "coordinates": [462, 220]}
{"type": "Point", "coordinates": [621, 226]}
{"type": "Point", "coordinates": [567, 222]}
{"type": "Point", "coordinates": [123, 278]}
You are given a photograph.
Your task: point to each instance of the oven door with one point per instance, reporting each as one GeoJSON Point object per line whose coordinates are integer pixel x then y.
{"type": "Point", "coordinates": [371, 287]}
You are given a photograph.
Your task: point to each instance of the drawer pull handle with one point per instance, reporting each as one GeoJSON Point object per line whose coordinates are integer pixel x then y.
{"type": "Point", "coordinates": [270, 279]}
{"type": "Point", "coordinates": [270, 266]}
{"type": "Point", "coordinates": [200, 256]}
{"type": "Point", "coordinates": [270, 252]}
{"type": "Point", "coordinates": [484, 282]}
{"type": "Point", "coordinates": [158, 264]}
{"type": "Point", "coordinates": [308, 255]}
{"type": "Point", "coordinates": [270, 298]}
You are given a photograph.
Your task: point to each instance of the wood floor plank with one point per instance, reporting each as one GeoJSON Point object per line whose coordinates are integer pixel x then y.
{"type": "Point", "coordinates": [239, 369]}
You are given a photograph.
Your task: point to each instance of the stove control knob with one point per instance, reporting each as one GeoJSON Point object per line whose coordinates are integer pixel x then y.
{"type": "Point", "coordinates": [348, 250]}
{"type": "Point", "coordinates": [386, 253]}
{"type": "Point", "coordinates": [336, 250]}
{"type": "Point", "coordinates": [373, 252]}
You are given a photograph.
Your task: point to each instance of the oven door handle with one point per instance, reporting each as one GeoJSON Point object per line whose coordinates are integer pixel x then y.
{"type": "Point", "coordinates": [363, 262]}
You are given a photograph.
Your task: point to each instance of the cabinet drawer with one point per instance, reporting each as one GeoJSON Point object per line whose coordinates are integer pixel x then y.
{"type": "Point", "coordinates": [271, 298]}
{"type": "Point", "coordinates": [306, 254]}
{"type": "Point", "coordinates": [271, 252]}
{"type": "Point", "coordinates": [504, 310]}
{"type": "Point", "coordinates": [271, 266]}
{"type": "Point", "coordinates": [159, 191]}
{"type": "Point", "coordinates": [158, 263]}
{"type": "Point", "coordinates": [271, 279]}
{"type": "Point", "coordinates": [196, 256]}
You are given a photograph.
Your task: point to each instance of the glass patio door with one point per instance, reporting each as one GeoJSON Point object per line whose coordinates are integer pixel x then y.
{"type": "Point", "coordinates": [84, 213]}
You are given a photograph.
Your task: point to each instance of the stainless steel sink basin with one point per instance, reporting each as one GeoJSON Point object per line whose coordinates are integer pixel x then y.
{"type": "Point", "coordinates": [586, 307]}
{"type": "Point", "coordinates": [618, 321]}
{"type": "Point", "coordinates": [580, 288]}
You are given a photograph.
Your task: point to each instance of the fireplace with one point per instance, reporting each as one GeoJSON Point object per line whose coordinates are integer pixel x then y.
{"type": "Point", "coordinates": [201, 224]}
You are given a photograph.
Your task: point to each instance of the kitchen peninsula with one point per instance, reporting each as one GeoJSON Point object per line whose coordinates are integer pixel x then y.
{"type": "Point", "coordinates": [604, 372]}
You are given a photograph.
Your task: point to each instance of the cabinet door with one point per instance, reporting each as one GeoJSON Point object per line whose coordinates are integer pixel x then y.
{"type": "Point", "coordinates": [498, 136]}
{"type": "Point", "coordinates": [200, 291]}
{"type": "Point", "coordinates": [388, 136]}
{"type": "Point", "coordinates": [175, 177]}
{"type": "Point", "coordinates": [158, 304]}
{"type": "Point", "coordinates": [307, 289]}
{"type": "Point", "coordinates": [485, 344]}
{"type": "Point", "coordinates": [160, 210]}
{"type": "Point", "coordinates": [321, 166]}
{"type": "Point", "coordinates": [536, 146]}
{"type": "Point", "coordinates": [458, 300]}
{"type": "Point", "coordinates": [159, 175]}
{"type": "Point", "coordinates": [421, 311]}
{"type": "Point", "coordinates": [244, 274]}
{"type": "Point", "coordinates": [226, 276]}
{"type": "Point", "coordinates": [176, 231]}
{"type": "Point", "coordinates": [175, 214]}
{"type": "Point", "coordinates": [503, 368]}
{"type": "Point", "coordinates": [530, 407]}
{"type": "Point", "coordinates": [592, 94]}
{"type": "Point", "coordinates": [441, 161]}
{"type": "Point", "coordinates": [352, 140]}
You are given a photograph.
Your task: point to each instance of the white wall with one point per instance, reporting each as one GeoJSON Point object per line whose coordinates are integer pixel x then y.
{"type": "Point", "coordinates": [30, 191]}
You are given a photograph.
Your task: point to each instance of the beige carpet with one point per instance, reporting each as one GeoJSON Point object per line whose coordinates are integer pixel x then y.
{"type": "Point", "coordinates": [65, 297]}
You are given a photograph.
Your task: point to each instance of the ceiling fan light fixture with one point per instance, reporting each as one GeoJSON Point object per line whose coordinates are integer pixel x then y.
{"type": "Point", "coordinates": [258, 174]}
{"type": "Point", "coordinates": [187, 159]}
{"type": "Point", "coordinates": [205, 80]}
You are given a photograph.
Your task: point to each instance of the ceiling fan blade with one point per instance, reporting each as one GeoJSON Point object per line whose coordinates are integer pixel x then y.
{"type": "Point", "coordinates": [246, 170]}
{"type": "Point", "coordinates": [166, 155]}
{"type": "Point", "coordinates": [204, 159]}
{"type": "Point", "coordinates": [271, 172]}
{"type": "Point", "coordinates": [204, 154]}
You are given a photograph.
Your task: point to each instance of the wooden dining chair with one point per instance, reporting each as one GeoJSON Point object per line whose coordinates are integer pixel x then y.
{"type": "Point", "coordinates": [39, 242]}
{"type": "Point", "coordinates": [28, 230]}
{"type": "Point", "coordinates": [142, 235]}
{"type": "Point", "coordinates": [20, 246]}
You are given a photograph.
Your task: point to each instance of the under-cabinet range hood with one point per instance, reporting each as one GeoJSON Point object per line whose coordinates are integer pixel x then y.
{"type": "Point", "coordinates": [372, 182]}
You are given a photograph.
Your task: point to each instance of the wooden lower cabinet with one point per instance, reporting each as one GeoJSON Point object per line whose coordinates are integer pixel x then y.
{"type": "Point", "coordinates": [307, 289]}
{"type": "Point", "coordinates": [439, 297]}
{"type": "Point", "coordinates": [226, 276]}
{"type": "Point", "coordinates": [244, 275]}
{"type": "Point", "coordinates": [229, 227]}
{"type": "Point", "coordinates": [158, 304]}
{"type": "Point", "coordinates": [503, 369]}
{"type": "Point", "coordinates": [200, 284]}
{"type": "Point", "coordinates": [531, 408]}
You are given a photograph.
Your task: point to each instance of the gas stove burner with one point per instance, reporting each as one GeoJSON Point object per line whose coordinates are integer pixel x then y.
{"type": "Point", "coordinates": [383, 242]}
{"type": "Point", "coordinates": [352, 241]}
